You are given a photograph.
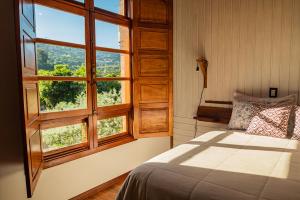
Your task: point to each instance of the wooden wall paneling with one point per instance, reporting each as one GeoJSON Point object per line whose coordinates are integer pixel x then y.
{"type": "Point", "coordinates": [207, 43]}
{"type": "Point", "coordinates": [154, 120]}
{"type": "Point", "coordinates": [276, 36]}
{"type": "Point", "coordinates": [258, 51]}
{"type": "Point", "coordinates": [242, 55]}
{"type": "Point", "coordinates": [34, 162]}
{"type": "Point", "coordinates": [251, 45]}
{"type": "Point", "coordinates": [154, 91]}
{"type": "Point", "coordinates": [153, 54]}
{"type": "Point", "coordinates": [212, 69]}
{"type": "Point", "coordinates": [153, 65]}
{"type": "Point", "coordinates": [28, 52]}
{"type": "Point", "coordinates": [154, 11]}
{"type": "Point", "coordinates": [31, 102]}
{"type": "Point", "coordinates": [267, 46]}
{"type": "Point", "coordinates": [286, 36]}
{"type": "Point", "coordinates": [236, 11]}
{"type": "Point", "coordinates": [294, 75]}
{"type": "Point", "coordinates": [153, 39]}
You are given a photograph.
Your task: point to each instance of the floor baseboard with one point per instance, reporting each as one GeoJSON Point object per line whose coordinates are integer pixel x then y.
{"type": "Point", "coordinates": [100, 188]}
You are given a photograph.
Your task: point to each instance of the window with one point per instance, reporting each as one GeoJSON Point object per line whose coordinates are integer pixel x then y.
{"type": "Point", "coordinates": [84, 87]}
{"type": "Point", "coordinates": [113, 83]}
{"type": "Point", "coordinates": [75, 63]}
{"type": "Point", "coordinates": [65, 136]}
{"type": "Point", "coordinates": [111, 126]}
{"type": "Point", "coordinates": [59, 25]}
{"type": "Point", "coordinates": [111, 35]}
{"type": "Point", "coordinates": [56, 96]}
{"type": "Point", "coordinates": [115, 6]}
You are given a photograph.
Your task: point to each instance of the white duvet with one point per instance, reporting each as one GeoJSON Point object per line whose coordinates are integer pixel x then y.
{"type": "Point", "coordinates": [220, 165]}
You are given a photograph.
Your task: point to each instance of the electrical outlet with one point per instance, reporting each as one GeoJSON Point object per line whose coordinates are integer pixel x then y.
{"type": "Point", "coordinates": [273, 92]}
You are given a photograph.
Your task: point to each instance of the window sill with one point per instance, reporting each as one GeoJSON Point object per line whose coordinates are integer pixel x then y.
{"type": "Point", "coordinates": [54, 160]}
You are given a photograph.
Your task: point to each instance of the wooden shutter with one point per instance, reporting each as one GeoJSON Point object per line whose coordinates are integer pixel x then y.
{"type": "Point", "coordinates": [32, 139]}
{"type": "Point", "coordinates": [152, 68]}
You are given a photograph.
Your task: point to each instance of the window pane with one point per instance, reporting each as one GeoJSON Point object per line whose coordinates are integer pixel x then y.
{"type": "Point", "coordinates": [115, 6]}
{"type": "Point", "coordinates": [55, 60]}
{"type": "Point", "coordinates": [113, 93]}
{"type": "Point", "coordinates": [111, 126]}
{"type": "Point", "coordinates": [58, 96]}
{"type": "Point", "coordinates": [81, 1]}
{"type": "Point", "coordinates": [112, 64]}
{"type": "Point", "coordinates": [58, 25]}
{"type": "Point", "coordinates": [56, 138]}
{"type": "Point", "coordinates": [112, 36]}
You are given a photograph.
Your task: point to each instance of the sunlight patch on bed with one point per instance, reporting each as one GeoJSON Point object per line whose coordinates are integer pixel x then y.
{"type": "Point", "coordinates": [208, 158]}
{"type": "Point", "coordinates": [282, 169]}
{"type": "Point", "coordinates": [174, 153]}
{"type": "Point", "coordinates": [235, 138]}
{"type": "Point", "coordinates": [208, 136]}
{"type": "Point", "coordinates": [255, 162]}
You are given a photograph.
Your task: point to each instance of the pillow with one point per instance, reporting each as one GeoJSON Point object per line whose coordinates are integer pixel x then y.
{"type": "Point", "coordinates": [270, 120]}
{"type": "Point", "coordinates": [290, 99]}
{"type": "Point", "coordinates": [242, 113]}
{"type": "Point", "coordinates": [296, 132]}
{"type": "Point", "coordinates": [243, 109]}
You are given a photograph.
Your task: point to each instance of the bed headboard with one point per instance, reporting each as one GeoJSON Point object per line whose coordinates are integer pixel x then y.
{"type": "Point", "coordinates": [213, 114]}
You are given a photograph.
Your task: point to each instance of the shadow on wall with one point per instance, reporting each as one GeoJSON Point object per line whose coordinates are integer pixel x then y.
{"type": "Point", "coordinates": [11, 157]}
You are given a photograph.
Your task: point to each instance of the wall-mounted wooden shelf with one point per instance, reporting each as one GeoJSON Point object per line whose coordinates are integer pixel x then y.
{"type": "Point", "coordinates": [213, 114]}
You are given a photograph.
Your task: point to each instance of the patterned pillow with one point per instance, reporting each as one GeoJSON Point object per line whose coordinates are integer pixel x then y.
{"type": "Point", "coordinates": [270, 121]}
{"type": "Point", "coordinates": [296, 132]}
{"type": "Point", "coordinates": [244, 110]}
{"type": "Point", "coordinates": [241, 115]}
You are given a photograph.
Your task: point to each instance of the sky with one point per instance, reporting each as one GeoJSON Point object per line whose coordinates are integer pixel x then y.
{"type": "Point", "coordinates": [62, 26]}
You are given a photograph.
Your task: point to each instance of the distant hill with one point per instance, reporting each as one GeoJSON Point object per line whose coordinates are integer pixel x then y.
{"type": "Point", "coordinates": [50, 55]}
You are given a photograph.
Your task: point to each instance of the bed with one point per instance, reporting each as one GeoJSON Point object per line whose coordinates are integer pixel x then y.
{"type": "Point", "coordinates": [220, 165]}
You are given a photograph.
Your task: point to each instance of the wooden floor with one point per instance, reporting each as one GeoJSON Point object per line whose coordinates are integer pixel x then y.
{"type": "Point", "coordinates": [108, 194]}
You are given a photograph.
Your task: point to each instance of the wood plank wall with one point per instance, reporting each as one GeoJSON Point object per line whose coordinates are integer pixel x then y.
{"type": "Point", "coordinates": [250, 45]}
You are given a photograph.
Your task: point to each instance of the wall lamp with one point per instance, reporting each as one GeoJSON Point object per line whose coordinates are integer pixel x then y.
{"type": "Point", "coordinates": [203, 63]}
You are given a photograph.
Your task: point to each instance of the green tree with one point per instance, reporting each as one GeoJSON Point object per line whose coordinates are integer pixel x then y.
{"type": "Point", "coordinates": [54, 92]}
{"type": "Point", "coordinates": [42, 58]}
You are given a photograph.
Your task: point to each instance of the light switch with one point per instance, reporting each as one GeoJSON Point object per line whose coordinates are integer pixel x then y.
{"type": "Point", "coordinates": [273, 93]}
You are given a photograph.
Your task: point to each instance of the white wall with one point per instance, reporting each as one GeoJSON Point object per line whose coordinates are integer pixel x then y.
{"type": "Point", "coordinates": [250, 45]}
{"type": "Point", "coordinates": [70, 179]}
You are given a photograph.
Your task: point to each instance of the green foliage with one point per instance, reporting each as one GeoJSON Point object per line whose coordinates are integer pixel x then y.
{"type": "Point", "coordinates": [109, 98]}
{"type": "Point", "coordinates": [108, 127]}
{"type": "Point", "coordinates": [107, 86]}
{"type": "Point", "coordinates": [53, 93]}
{"type": "Point", "coordinates": [60, 96]}
{"type": "Point", "coordinates": [50, 55]}
{"type": "Point", "coordinates": [63, 136]}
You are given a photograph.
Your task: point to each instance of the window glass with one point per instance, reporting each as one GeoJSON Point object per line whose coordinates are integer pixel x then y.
{"type": "Point", "coordinates": [80, 1]}
{"type": "Point", "coordinates": [55, 60]}
{"type": "Point", "coordinates": [111, 35]}
{"type": "Point", "coordinates": [113, 93]}
{"type": "Point", "coordinates": [111, 126]}
{"type": "Point", "coordinates": [56, 138]}
{"type": "Point", "coordinates": [59, 25]}
{"type": "Point", "coordinates": [112, 64]}
{"type": "Point", "coordinates": [58, 96]}
{"type": "Point", "coordinates": [115, 6]}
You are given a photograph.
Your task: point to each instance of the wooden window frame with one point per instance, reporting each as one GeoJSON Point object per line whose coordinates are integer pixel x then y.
{"type": "Point", "coordinates": [92, 113]}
